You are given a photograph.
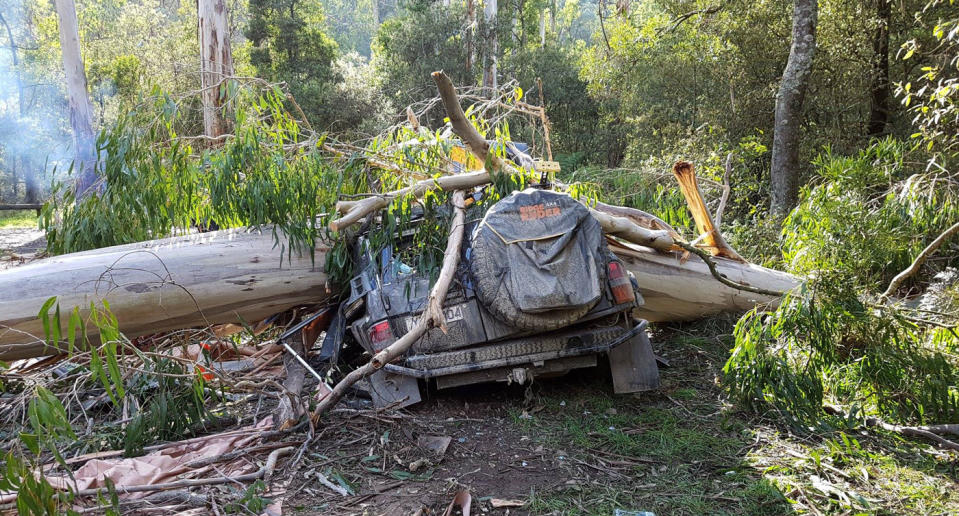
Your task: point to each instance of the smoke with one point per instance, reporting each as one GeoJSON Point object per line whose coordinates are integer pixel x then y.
{"type": "Point", "coordinates": [34, 119]}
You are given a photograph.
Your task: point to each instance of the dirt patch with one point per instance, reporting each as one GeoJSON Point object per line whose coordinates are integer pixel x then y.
{"type": "Point", "coordinates": [379, 459]}
{"type": "Point", "coordinates": [20, 245]}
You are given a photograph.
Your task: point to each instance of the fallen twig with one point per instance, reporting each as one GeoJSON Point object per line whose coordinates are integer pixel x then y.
{"type": "Point", "coordinates": [927, 432]}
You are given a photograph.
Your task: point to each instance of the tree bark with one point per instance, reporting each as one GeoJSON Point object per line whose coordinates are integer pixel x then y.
{"type": "Point", "coordinates": [879, 89]}
{"type": "Point", "coordinates": [492, 48]}
{"type": "Point", "coordinates": [81, 110]}
{"type": "Point", "coordinates": [216, 62]}
{"type": "Point", "coordinates": [470, 34]}
{"type": "Point", "coordinates": [228, 276]}
{"type": "Point", "coordinates": [789, 101]}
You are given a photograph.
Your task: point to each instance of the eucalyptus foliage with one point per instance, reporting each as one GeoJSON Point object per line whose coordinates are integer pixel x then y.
{"type": "Point", "coordinates": [862, 220]}
{"type": "Point", "coordinates": [156, 184]}
{"type": "Point", "coordinates": [824, 344]}
{"type": "Point", "coordinates": [869, 213]}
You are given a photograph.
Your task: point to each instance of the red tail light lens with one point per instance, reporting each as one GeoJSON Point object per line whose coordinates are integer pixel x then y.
{"type": "Point", "coordinates": [619, 283]}
{"type": "Point", "coordinates": [380, 335]}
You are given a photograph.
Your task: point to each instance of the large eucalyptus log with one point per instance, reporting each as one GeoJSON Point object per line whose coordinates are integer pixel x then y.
{"type": "Point", "coordinates": [233, 276]}
{"type": "Point", "coordinates": [160, 285]}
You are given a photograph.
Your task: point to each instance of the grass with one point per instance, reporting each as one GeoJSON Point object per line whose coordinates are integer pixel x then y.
{"type": "Point", "coordinates": [18, 219]}
{"type": "Point", "coordinates": [685, 450]}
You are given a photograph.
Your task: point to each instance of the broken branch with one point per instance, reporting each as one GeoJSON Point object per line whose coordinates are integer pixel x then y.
{"type": "Point", "coordinates": [686, 175]}
{"type": "Point", "coordinates": [706, 257]}
{"type": "Point", "coordinates": [927, 432]}
{"type": "Point", "coordinates": [919, 261]}
{"type": "Point", "coordinates": [431, 317]}
{"type": "Point", "coordinates": [621, 227]}
{"type": "Point", "coordinates": [726, 190]}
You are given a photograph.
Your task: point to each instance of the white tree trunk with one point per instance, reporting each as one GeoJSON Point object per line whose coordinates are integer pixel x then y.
{"type": "Point", "coordinates": [542, 29]}
{"type": "Point", "coordinates": [470, 34]}
{"type": "Point", "coordinates": [234, 276]}
{"type": "Point", "coordinates": [492, 46]}
{"type": "Point", "coordinates": [81, 110]}
{"type": "Point", "coordinates": [216, 62]}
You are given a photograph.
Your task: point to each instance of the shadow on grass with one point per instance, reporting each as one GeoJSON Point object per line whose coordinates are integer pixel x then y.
{"type": "Point", "coordinates": [683, 450]}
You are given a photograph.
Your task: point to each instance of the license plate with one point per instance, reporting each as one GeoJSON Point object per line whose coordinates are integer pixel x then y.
{"type": "Point", "coordinates": [452, 313]}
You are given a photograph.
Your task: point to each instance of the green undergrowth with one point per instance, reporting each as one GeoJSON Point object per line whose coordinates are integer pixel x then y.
{"type": "Point", "coordinates": [677, 450]}
{"type": "Point", "coordinates": [144, 397]}
{"type": "Point", "coordinates": [829, 342]}
{"type": "Point", "coordinates": [870, 214]}
{"type": "Point", "coordinates": [18, 219]}
{"type": "Point", "coordinates": [824, 345]}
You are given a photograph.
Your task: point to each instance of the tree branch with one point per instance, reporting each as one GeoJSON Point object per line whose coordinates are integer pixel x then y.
{"type": "Point", "coordinates": [431, 317]}
{"type": "Point", "coordinates": [726, 190]}
{"type": "Point", "coordinates": [919, 261]}
{"type": "Point", "coordinates": [706, 257]}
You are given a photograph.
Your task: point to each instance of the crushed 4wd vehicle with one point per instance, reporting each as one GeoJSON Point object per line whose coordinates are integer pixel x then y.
{"type": "Point", "coordinates": [536, 293]}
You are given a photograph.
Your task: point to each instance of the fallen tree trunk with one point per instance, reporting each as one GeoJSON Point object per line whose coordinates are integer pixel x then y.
{"type": "Point", "coordinates": [160, 285]}
{"type": "Point", "coordinates": [235, 275]}
{"type": "Point", "coordinates": [675, 289]}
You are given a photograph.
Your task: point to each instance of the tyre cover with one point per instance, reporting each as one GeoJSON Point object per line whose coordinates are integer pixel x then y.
{"type": "Point", "coordinates": [538, 252]}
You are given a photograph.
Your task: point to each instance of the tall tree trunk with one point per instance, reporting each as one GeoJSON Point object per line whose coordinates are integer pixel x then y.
{"type": "Point", "coordinates": [81, 110]}
{"type": "Point", "coordinates": [216, 62]}
{"type": "Point", "coordinates": [789, 101]}
{"type": "Point", "coordinates": [542, 29]}
{"type": "Point", "coordinates": [879, 108]}
{"type": "Point", "coordinates": [376, 11]}
{"type": "Point", "coordinates": [492, 48]}
{"type": "Point", "coordinates": [470, 34]}
{"type": "Point", "coordinates": [552, 16]}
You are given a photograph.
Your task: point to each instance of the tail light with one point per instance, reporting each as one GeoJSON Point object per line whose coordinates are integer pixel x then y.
{"type": "Point", "coordinates": [619, 283]}
{"type": "Point", "coordinates": [380, 335]}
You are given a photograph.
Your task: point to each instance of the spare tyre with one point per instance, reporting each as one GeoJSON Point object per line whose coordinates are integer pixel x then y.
{"type": "Point", "coordinates": [538, 260]}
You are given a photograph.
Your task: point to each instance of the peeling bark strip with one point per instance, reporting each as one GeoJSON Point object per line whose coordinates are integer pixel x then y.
{"type": "Point", "coordinates": [216, 62]}
{"type": "Point", "coordinates": [792, 90]}
{"type": "Point", "coordinates": [81, 110]}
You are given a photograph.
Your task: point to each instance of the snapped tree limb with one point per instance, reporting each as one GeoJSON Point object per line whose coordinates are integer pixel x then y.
{"type": "Point", "coordinates": [686, 175]}
{"type": "Point", "coordinates": [431, 317]}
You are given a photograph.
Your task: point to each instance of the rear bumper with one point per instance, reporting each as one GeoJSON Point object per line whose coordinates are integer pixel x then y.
{"type": "Point", "coordinates": [530, 350]}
